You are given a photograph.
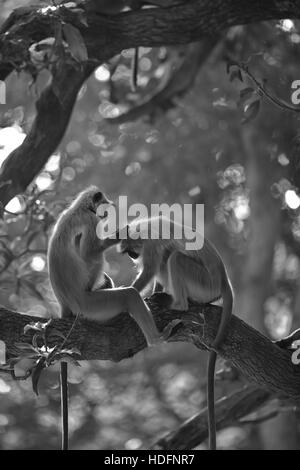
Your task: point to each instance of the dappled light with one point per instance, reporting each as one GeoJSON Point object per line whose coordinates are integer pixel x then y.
{"type": "Point", "coordinates": [176, 115]}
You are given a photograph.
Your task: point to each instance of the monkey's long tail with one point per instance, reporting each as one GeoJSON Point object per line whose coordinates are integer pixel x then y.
{"type": "Point", "coordinates": [135, 69]}
{"type": "Point", "coordinates": [64, 404]}
{"type": "Point", "coordinates": [225, 319]}
{"type": "Point", "coordinates": [211, 400]}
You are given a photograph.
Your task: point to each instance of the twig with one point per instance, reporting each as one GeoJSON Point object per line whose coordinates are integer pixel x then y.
{"type": "Point", "coordinates": [282, 104]}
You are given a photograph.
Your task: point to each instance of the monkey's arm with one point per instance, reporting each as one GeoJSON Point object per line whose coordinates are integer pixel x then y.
{"type": "Point", "coordinates": [107, 243]}
{"type": "Point", "coordinates": [88, 244]}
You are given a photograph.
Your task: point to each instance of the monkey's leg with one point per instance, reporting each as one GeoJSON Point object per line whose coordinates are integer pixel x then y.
{"type": "Point", "coordinates": [105, 304]}
{"type": "Point", "coordinates": [143, 279]}
{"type": "Point", "coordinates": [200, 285]}
{"type": "Point", "coordinates": [189, 277]}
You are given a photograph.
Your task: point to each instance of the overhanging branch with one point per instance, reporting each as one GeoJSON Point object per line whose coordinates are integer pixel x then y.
{"type": "Point", "coordinates": [178, 84]}
{"type": "Point", "coordinates": [106, 36]}
{"type": "Point", "coordinates": [228, 411]}
{"type": "Point", "coordinates": [54, 108]}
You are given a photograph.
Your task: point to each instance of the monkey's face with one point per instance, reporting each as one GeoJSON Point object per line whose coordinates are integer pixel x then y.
{"type": "Point", "coordinates": [132, 247]}
{"type": "Point", "coordinates": [95, 199]}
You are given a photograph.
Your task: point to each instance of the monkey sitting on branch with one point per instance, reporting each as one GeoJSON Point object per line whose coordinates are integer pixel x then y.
{"type": "Point", "coordinates": [199, 275]}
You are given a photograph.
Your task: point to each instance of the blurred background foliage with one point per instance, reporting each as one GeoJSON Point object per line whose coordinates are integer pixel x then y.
{"type": "Point", "coordinates": [197, 152]}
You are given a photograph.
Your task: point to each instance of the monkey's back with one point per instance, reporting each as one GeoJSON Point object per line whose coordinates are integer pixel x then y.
{"type": "Point", "coordinates": [67, 271]}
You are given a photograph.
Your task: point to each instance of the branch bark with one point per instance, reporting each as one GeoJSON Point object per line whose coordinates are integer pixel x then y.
{"type": "Point", "coordinates": [260, 360]}
{"type": "Point", "coordinates": [54, 108]}
{"type": "Point", "coordinates": [106, 36]}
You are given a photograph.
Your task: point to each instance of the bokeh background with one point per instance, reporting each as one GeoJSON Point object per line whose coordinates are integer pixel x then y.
{"type": "Point", "coordinates": [199, 151]}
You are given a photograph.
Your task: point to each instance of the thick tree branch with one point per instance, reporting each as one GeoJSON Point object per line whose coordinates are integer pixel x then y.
{"type": "Point", "coordinates": [54, 108]}
{"type": "Point", "coordinates": [252, 353]}
{"type": "Point", "coordinates": [106, 36]}
{"type": "Point", "coordinates": [228, 411]}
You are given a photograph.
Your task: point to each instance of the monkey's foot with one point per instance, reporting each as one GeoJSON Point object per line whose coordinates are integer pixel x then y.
{"type": "Point", "coordinates": [169, 329]}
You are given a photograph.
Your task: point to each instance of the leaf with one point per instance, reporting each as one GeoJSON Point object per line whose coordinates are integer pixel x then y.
{"type": "Point", "coordinates": [245, 94]}
{"type": "Point", "coordinates": [37, 326]}
{"type": "Point", "coordinates": [51, 353]}
{"type": "Point", "coordinates": [229, 64]}
{"type": "Point", "coordinates": [25, 347]}
{"type": "Point", "coordinates": [71, 351]}
{"type": "Point", "coordinates": [36, 374]}
{"type": "Point", "coordinates": [76, 43]}
{"type": "Point", "coordinates": [35, 339]}
{"type": "Point", "coordinates": [251, 111]}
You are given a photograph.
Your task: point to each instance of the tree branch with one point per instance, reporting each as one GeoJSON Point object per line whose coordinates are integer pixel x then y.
{"type": "Point", "coordinates": [228, 411]}
{"type": "Point", "coordinates": [179, 83]}
{"type": "Point", "coordinates": [260, 360]}
{"type": "Point", "coordinates": [54, 108]}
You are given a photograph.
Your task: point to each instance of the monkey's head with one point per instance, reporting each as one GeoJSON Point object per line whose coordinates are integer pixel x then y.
{"type": "Point", "coordinates": [92, 198]}
{"type": "Point", "coordinates": [131, 246]}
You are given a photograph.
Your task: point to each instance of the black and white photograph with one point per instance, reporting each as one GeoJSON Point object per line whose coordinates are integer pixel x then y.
{"type": "Point", "coordinates": [149, 227]}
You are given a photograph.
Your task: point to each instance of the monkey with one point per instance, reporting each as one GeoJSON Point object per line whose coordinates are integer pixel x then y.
{"type": "Point", "coordinates": [199, 275]}
{"type": "Point", "coordinates": [75, 265]}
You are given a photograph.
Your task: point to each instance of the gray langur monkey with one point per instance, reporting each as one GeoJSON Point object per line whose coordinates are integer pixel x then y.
{"type": "Point", "coordinates": [75, 263]}
{"type": "Point", "coordinates": [199, 275]}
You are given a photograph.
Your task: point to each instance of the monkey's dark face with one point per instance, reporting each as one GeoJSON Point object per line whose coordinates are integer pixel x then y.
{"type": "Point", "coordinates": [131, 247]}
